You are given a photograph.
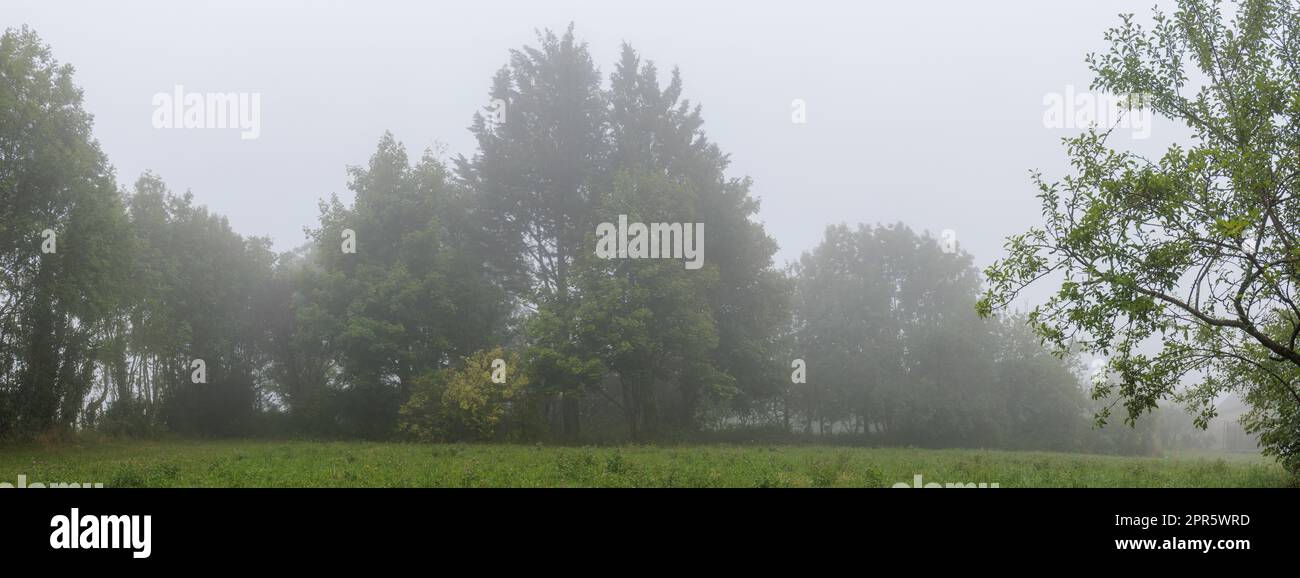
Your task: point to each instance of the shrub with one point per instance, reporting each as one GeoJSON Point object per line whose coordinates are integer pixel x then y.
{"type": "Point", "coordinates": [464, 403]}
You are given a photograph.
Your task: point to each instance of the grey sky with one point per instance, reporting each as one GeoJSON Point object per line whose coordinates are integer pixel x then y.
{"type": "Point", "coordinates": [930, 113]}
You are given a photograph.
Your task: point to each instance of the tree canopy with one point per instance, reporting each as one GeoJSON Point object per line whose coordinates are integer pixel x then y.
{"type": "Point", "coordinates": [465, 297]}
{"type": "Point", "coordinates": [1181, 271]}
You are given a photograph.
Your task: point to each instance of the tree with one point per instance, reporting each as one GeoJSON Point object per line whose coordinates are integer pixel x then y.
{"type": "Point", "coordinates": [552, 169]}
{"type": "Point", "coordinates": [654, 132]}
{"type": "Point", "coordinates": [883, 321]}
{"type": "Point", "coordinates": [63, 243]}
{"type": "Point", "coordinates": [399, 285]}
{"type": "Point", "coordinates": [198, 295]}
{"type": "Point", "coordinates": [1184, 267]}
{"type": "Point", "coordinates": [465, 403]}
{"type": "Point", "coordinates": [649, 322]}
{"type": "Point", "coordinates": [302, 363]}
{"type": "Point", "coordinates": [535, 173]}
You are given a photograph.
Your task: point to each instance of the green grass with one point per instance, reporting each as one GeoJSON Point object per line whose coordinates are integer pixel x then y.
{"type": "Point", "coordinates": [357, 464]}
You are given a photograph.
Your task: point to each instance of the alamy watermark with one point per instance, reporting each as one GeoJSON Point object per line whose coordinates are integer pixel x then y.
{"type": "Point", "coordinates": [228, 110]}
{"type": "Point", "coordinates": [918, 482]}
{"type": "Point", "coordinates": [948, 242]}
{"type": "Point", "coordinates": [89, 532]}
{"type": "Point", "coordinates": [651, 241]}
{"type": "Point", "coordinates": [24, 484]}
{"type": "Point", "coordinates": [1080, 110]}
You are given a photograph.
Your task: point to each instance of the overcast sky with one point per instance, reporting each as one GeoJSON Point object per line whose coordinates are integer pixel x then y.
{"type": "Point", "coordinates": [929, 113]}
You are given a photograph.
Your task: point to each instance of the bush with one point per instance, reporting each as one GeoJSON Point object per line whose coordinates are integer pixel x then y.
{"type": "Point", "coordinates": [465, 403]}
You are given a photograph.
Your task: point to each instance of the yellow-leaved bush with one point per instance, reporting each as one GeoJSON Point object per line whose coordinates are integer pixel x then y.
{"type": "Point", "coordinates": [465, 403]}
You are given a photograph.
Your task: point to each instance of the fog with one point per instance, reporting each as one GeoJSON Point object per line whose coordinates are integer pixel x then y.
{"type": "Point", "coordinates": [813, 222]}
{"type": "Point", "coordinates": [926, 113]}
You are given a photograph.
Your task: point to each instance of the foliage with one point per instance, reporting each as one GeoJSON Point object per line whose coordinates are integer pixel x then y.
{"type": "Point", "coordinates": [198, 291]}
{"type": "Point", "coordinates": [1182, 268]}
{"type": "Point", "coordinates": [250, 464]}
{"type": "Point", "coordinates": [569, 154]}
{"type": "Point", "coordinates": [57, 309]}
{"type": "Point", "coordinates": [413, 296]}
{"type": "Point", "coordinates": [388, 318]}
{"type": "Point", "coordinates": [884, 325]}
{"type": "Point", "coordinates": [465, 403]}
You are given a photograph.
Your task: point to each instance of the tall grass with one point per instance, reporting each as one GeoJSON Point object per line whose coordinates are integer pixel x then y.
{"type": "Point", "coordinates": [359, 464]}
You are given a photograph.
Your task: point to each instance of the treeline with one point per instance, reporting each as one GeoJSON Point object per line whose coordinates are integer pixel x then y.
{"type": "Point", "coordinates": [461, 299]}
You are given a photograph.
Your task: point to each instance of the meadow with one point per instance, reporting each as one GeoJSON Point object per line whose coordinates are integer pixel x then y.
{"type": "Point", "coordinates": [187, 463]}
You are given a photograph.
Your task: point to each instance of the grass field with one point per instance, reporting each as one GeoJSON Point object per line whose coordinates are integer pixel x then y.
{"type": "Point", "coordinates": [352, 464]}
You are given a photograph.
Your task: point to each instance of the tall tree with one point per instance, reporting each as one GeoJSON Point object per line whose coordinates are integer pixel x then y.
{"type": "Point", "coordinates": [538, 162]}
{"type": "Point", "coordinates": [1183, 267]}
{"type": "Point", "coordinates": [199, 297]}
{"type": "Point", "coordinates": [649, 321]}
{"type": "Point", "coordinates": [400, 286]}
{"type": "Point", "coordinates": [892, 348]}
{"type": "Point", "coordinates": [655, 131]}
{"type": "Point", "coordinates": [63, 242]}
{"type": "Point", "coordinates": [552, 170]}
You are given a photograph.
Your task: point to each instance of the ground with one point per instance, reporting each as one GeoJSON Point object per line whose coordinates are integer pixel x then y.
{"type": "Point", "coordinates": [356, 464]}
